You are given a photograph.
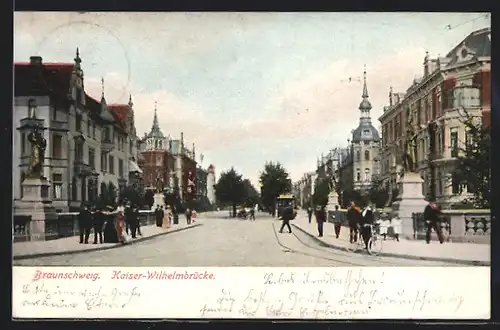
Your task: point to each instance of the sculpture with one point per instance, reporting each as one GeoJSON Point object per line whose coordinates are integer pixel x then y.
{"type": "Point", "coordinates": [409, 149]}
{"type": "Point", "coordinates": [38, 145]}
{"type": "Point", "coordinates": [159, 185]}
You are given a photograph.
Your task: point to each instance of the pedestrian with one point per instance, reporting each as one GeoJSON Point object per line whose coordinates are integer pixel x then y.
{"type": "Point", "coordinates": [366, 223]}
{"type": "Point", "coordinates": [337, 221]}
{"type": "Point", "coordinates": [169, 216]}
{"type": "Point", "coordinates": [85, 221]}
{"type": "Point", "coordinates": [99, 219]}
{"type": "Point", "coordinates": [132, 219]}
{"type": "Point", "coordinates": [110, 234]}
{"type": "Point", "coordinates": [137, 219]}
{"type": "Point", "coordinates": [432, 213]}
{"type": "Point", "coordinates": [396, 227]}
{"type": "Point", "coordinates": [252, 213]}
{"type": "Point", "coordinates": [188, 216]}
{"type": "Point", "coordinates": [128, 219]}
{"type": "Point", "coordinates": [385, 223]}
{"type": "Point", "coordinates": [309, 213]}
{"type": "Point", "coordinates": [120, 224]}
{"type": "Point", "coordinates": [286, 216]}
{"type": "Point", "coordinates": [320, 219]}
{"type": "Point", "coordinates": [158, 216]}
{"type": "Point", "coordinates": [353, 217]}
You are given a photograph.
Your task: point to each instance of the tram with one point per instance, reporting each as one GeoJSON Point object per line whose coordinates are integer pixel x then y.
{"type": "Point", "coordinates": [283, 201]}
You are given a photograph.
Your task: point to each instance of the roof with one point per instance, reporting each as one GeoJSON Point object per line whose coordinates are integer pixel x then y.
{"type": "Point", "coordinates": [477, 44]}
{"type": "Point", "coordinates": [365, 132]}
{"type": "Point", "coordinates": [51, 79]}
{"type": "Point", "coordinates": [120, 112]}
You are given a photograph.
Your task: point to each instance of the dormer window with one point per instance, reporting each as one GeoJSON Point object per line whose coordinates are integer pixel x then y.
{"type": "Point", "coordinates": [366, 131]}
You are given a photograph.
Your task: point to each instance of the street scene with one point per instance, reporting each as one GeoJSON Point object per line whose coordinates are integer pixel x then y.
{"type": "Point", "coordinates": [251, 139]}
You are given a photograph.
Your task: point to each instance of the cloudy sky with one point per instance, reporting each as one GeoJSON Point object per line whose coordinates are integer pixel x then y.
{"type": "Point", "coordinates": [246, 88]}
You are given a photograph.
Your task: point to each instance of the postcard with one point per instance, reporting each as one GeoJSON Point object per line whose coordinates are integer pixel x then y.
{"type": "Point", "coordinates": [251, 165]}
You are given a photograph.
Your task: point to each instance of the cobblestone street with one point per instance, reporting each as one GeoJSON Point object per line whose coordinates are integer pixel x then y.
{"type": "Point", "coordinates": [226, 242]}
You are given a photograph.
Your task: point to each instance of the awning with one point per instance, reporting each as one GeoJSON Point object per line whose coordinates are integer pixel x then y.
{"type": "Point", "coordinates": [134, 167]}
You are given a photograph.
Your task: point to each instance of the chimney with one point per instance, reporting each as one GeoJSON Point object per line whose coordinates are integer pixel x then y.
{"type": "Point", "coordinates": [36, 60]}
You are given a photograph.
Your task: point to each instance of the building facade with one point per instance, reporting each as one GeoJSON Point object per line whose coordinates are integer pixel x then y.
{"type": "Point", "coordinates": [166, 162]}
{"type": "Point", "coordinates": [435, 105]}
{"type": "Point", "coordinates": [365, 146]}
{"type": "Point", "coordinates": [88, 142]}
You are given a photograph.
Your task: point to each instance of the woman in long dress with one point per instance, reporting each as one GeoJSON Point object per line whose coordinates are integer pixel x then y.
{"type": "Point", "coordinates": [167, 218]}
{"type": "Point", "coordinates": [120, 224]}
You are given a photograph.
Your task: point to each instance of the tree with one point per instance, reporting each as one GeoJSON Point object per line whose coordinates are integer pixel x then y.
{"type": "Point", "coordinates": [321, 192]}
{"type": "Point", "coordinates": [473, 162]}
{"type": "Point", "coordinates": [112, 194]}
{"type": "Point", "coordinates": [230, 190]}
{"type": "Point", "coordinates": [378, 193]}
{"type": "Point", "coordinates": [149, 198]}
{"type": "Point", "coordinates": [275, 181]}
{"type": "Point", "coordinates": [131, 194]}
{"type": "Point", "coordinates": [251, 194]}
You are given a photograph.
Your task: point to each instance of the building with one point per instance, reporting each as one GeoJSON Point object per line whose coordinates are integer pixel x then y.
{"type": "Point", "coordinates": [168, 162]}
{"type": "Point", "coordinates": [88, 142]}
{"type": "Point", "coordinates": [365, 144]}
{"type": "Point", "coordinates": [211, 181]}
{"type": "Point", "coordinates": [435, 104]}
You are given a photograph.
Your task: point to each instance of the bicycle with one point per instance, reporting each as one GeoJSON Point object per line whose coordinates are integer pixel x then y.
{"type": "Point", "coordinates": [374, 243]}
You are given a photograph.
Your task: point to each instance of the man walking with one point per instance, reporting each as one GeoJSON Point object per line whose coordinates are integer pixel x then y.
{"type": "Point", "coordinates": [158, 216]}
{"type": "Point", "coordinates": [99, 219]}
{"type": "Point", "coordinates": [353, 215]}
{"type": "Point", "coordinates": [337, 221]}
{"type": "Point", "coordinates": [367, 219]}
{"type": "Point", "coordinates": [309, 213]}
{"type": "Point", "coordinates": [84, 224]}
{"type": "Point", "coordinates": [287, 215]}
{"type": "Point", "coordinates": [432, 219]}
{"type": "Point", "coordinates": [320, 219]}
{"type": "Point", "coordinates": [252, 214]}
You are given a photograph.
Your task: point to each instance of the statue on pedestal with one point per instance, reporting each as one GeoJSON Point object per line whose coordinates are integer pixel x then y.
{"type": "Point", "coordinates": [159, 185]}
{"type": "Point", "coordinates": [409, 150]}
{"type": "Point", "coordinates": [38, 145]}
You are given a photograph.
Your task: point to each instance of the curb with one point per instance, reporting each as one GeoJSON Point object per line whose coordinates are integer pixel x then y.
{"type": "Point", "coordinates": [99, 248]}
{"type": "Point", "coordinates": [402, 256]}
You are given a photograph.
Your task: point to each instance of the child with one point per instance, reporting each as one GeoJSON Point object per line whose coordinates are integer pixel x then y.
{"type": "Point", "coordinates": [396, 227]}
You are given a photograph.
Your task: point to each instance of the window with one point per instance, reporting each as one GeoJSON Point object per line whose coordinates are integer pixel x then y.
{"type": "Point", "coordinates": [439, 141]}
{"type": "Point", "coordinates": [78, 122]}
{"type": "Point", "coordinates": [92, 158]}
{"type": "Point", "coordinates": [466, 96]}
{"type": "Point", "coordinates": [74, 189]}
{"type": "Point", "coordinates": [111, 165]}
{"type": "Point", "coordinates": [23, 176]}
{"type": "Point", "coordinates": [367, 155]}
{"type": "Point", "coordinates": [367, 174]}
{"type": "Point", "coordinates": [120, 168]}
{"type": "Point", "coordinates": [107, 134]}
{"type": "Point", "coordinates": [32, 108]}
{"type": "Point", "coordinates": [57, 186]}
{"type": "Point", "coordinates": [89, 127]}
{"type": "Point", "coordinates": [358, 156]}
{"type": "Point", "coordinates": [54, 112]}
{"type": "Point", "coordinates": [358, 175]}
{"type": "Point", "coordinates": [78, 97]}
{"type": "Point", "coordinates": [23, 144]}
{"type": "Point", "coordinates": [439, 180]}
{"type": "Point", "coordinates": [469, 140]}
{"type": "Point", "coordinates": [455, 185]}
{"type": "Point", "coordinates": [104, 162]}
{"type": "Point", "coordinates": [79, 151]}
{"type": "Point", "coordinates": [438, 105]}
{"type": "Point", "coordinates": [454, 142]}
{"type": "Point", "coordinates": [130, 147]}
{"type": "Point", "coordinates": [93, 130]}
{"type": "Point", "coordinates": [56, 146]}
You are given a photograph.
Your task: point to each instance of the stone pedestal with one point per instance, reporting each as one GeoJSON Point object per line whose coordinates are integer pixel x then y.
{"type": "Point", "coordinates": [410, 200]}
{"type": "Point", "coordinates": [36, 204]}
{"type": "Point", "coordinates": [333, 199]}
{"type": "Point", "coordinates": [159, 200]}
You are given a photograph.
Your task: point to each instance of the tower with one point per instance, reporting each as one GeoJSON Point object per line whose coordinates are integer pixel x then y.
{"type": "Point", "coordinates": [156, 140]}
{"type": "Point", "coordinates": [365, 144]}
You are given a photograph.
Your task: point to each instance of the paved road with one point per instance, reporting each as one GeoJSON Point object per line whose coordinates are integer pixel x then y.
{"type": "Point", "coordinates": [226, 242]}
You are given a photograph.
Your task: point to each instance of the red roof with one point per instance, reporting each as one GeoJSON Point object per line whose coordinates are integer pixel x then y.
{"type": "Point", "coordinates": [51, 79]}
{"type": "Point", "coordinates": [120, 111]}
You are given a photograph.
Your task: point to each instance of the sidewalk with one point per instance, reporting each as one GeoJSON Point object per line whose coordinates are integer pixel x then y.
{"type": "Point", "coordinates": [460, 253]}
{"type": "Point", "coordinates": [71, 245]}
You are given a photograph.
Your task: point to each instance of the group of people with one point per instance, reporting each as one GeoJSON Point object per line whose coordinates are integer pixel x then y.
{"type": "Point", "coordinates": [361, 222]}
{"type": "Point", "coordinates": [109, 225]}
{"type": "Point", "coordinates": [164, 218]}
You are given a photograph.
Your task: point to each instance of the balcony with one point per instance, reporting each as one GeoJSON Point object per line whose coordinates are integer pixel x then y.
{"type": "Point", "coordinates": [82, 169]}
{"type": "Point", "coordinates": [61, 126]}
{"type": "Point", "coordinates": [107, 145]}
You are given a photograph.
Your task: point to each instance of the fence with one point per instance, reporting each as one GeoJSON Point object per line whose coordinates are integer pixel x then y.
{"type": "Point", "coordinates": [66, 225]}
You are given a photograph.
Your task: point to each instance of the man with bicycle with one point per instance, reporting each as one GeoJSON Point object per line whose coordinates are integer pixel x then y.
{"type": "Point", "coordinates": [367, 220]}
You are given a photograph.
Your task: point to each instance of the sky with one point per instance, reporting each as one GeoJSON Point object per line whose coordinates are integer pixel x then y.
{"type": "Point", "coordinates": [246, 88]}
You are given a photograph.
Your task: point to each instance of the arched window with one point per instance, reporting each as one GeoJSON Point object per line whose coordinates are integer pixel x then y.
{"type": "Point", "coordinates": [367, 174]}
{"type": "Point", "coordinates": [367, 155]}
{"type": "Point", "coordinates": [156, 144]}
{"type": "Point", "coordinates": [358, 156]}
